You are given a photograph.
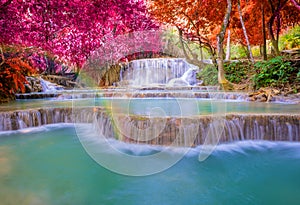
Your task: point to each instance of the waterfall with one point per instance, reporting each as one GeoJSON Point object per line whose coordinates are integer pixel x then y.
{"type": "Point", "coordinates": [175, 131]}
{"type": "Point", "coordinates": [157, 71]}
{"type": "Point", "coordinates": [48, 86]}
{"type": "Point", "coordinates": [188, 78]}
{"type": "Point", "coordinates": [39, 88]}
{"type": "Point", "coordinates": [15, 120]}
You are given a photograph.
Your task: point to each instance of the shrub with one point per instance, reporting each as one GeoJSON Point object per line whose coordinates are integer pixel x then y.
{"type": "Point", "coordinates": [209, 75]}
{"type": "Point", "coordinates": [291, 39]}
{"type": "Point", "coordinates": [236, 72]}
{"type": "Point", "coordinates": [274, 73]}
{"type": "Point", "coordinates": [277, 72]}
{"type": "Point", "coordinates": [238, 51]}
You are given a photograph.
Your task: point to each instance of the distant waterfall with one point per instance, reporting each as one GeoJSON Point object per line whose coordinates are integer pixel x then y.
{"type": "Point", "coordinates": [157, 71]}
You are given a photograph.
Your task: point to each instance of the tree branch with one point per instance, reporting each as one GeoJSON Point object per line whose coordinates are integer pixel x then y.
{"type": "Point", "coordinates": [5, 4]}
{"type": "Point", "coordinates": [245, 32]}
{"type": "Point", "coordinates": [182, 44]}
{"type": "Point", "coordinates": [297, 5]}
{"type": "Point", "coordinates": [2, 56]}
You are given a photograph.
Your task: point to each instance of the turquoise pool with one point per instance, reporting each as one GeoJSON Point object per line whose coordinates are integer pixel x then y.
{"type": "Point", "coordinates": [48, 165]}
{"type": "Point", "coordinates": [166, 106]}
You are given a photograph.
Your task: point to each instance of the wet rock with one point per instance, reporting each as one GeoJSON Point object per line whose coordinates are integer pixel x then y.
{"type": "Point", "coordinates": [64, 82]}
{"type": "Point", "coordinates": [33, 84]}
{"type": "Point", "coordinates": [111, 77]}
{"type": "Point", "coordinates": [263, 94]}
{"type": "Point", "coordinates": [251, 98]}
{"type": "Point", "coordinates": [28, 88]}
{"type": "Point", "coordinates": [261, 97]}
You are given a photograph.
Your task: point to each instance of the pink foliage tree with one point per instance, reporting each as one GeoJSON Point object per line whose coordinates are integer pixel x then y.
{"type": "Point", "coordinates": [70, 30]}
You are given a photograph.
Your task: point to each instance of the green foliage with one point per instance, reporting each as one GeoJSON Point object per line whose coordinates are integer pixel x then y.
{"type": "Point", "coordinates": [238, 51]}
{"type": "Point", "coordinates": [256, 51]}
{"type": "Point", "coordinates": [274, 73]}
{"type": "Point", "coordinates": [277, 72]}
{"type": "Point", "coordinates": [237, 71]}
{"type": "Point", "coordinates": [209, 75]}
{"type": "Point", "coordinates": [291, 39]}
{"type": "Point", "coordinates": [173, 46]}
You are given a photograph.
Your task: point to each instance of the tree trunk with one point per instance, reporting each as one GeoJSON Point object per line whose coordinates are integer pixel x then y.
{"type": "Point", "coordinates": [228, 46]}
{"type": "Point", "coordinates": [264, 48]}
{"type": "Point", "coordinates": [272, 36]}
{"type": "Point", "coordinates": [220, 39]}
{"type": "Point", "coordinates": [182, 44]}
{"type": "Point", "coordinates": [275, 14]}
{"type": "Point", "coordinates": [245, 33]}
{"type": "Point", "coordinates": [201, 51]}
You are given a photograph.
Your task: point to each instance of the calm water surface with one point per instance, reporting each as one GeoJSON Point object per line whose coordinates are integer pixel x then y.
{"type": "Point", "coordinates": [159, 106]}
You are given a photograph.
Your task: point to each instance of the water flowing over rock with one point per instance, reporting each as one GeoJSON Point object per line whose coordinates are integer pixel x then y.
{"type": "Point", "coordinates": [59, 82]}
{"type": "Point", "coordinates": [38, 84]}
{"type": "Point", "coordinates": [158, 71]}
{"type": "Point", "coordinates": [49, 86]}
{"type": "Point", "coordinates": [15, 120]}
{"type": "Point", "coordinates": [188, 78]}
{"type": "Point", "coordinates": [175, 131]}
{"type": "Point", "coordinates": [37, 87]}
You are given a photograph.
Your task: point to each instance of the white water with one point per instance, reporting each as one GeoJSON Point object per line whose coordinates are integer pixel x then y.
{"type": "Point", "coordinates": [187, 79]}
{"type": "Point", "coordinates": [159, 71]}
{"type": "Point", "coordinates": [161, 130]}
{"type": "Point", "coordinates": [49, 87]}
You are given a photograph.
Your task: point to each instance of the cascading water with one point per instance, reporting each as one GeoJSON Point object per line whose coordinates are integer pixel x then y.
{"type": "Point", "coordinates": [167, 130]}
{"type": "Point", "coordinates": [169, 72]}
{"type": "Point", "coordinates": [188, 78]}
{"type": "Point", "coordinates": [46, 89]}
{"type": "Point", "coordinates": [158, 71]}
{"type": "Point", "coordinates": [48, 86]}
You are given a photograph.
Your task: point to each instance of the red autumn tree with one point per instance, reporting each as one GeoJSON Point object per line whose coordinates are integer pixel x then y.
{"type": "Point", "coordinates": [13, 69]}
{"type": "Point", "coordinates": [275, 15]}
{"type": "Point", "coordinates": [198, 21]}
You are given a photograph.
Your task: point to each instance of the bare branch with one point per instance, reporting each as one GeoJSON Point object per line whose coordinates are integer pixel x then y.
{"type": "Point", "coordinates": [297, 5]}
{"type": "Point", "coordinates": [5, 4]}
{"type": "Point", "coordinates": [2, 56]}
